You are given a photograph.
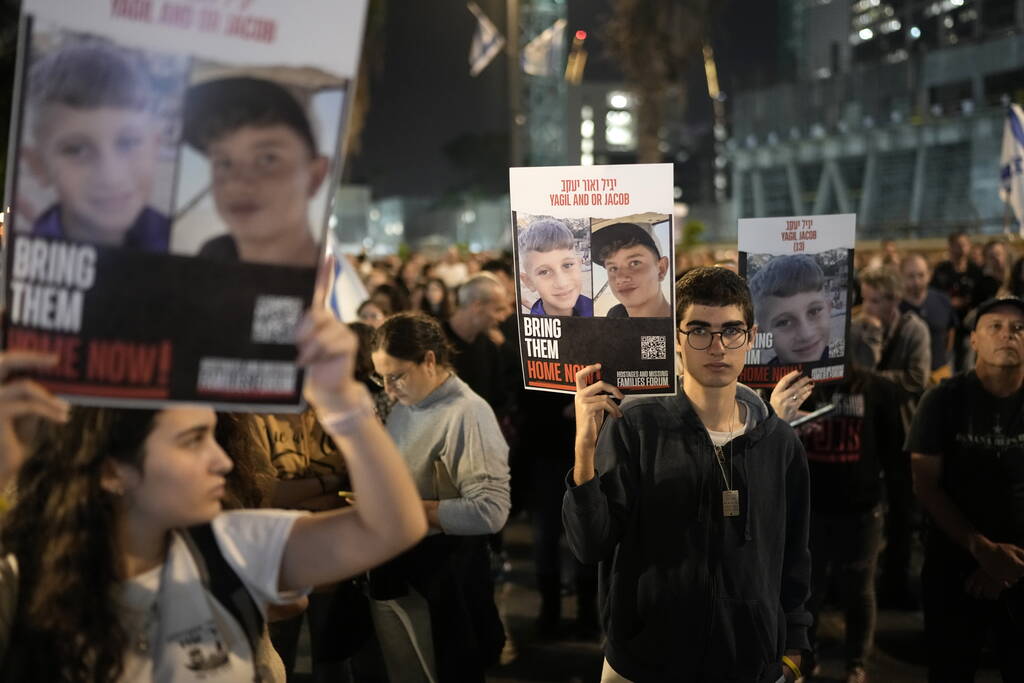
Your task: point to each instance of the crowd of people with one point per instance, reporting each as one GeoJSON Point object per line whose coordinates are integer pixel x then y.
{"type": "Point", "coordinates": [716, 531]}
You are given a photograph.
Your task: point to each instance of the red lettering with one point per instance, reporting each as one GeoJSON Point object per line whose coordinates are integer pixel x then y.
{"type": "Point", "coordinates": [251, 28]}
{"type": "Point", "coordinates": [136, 10]}
{"type": "Point", "coordinates": [537, 369]}
{"type": "Point", "coordinates": [122, 362]}
{"type": "Point", "coordinates": [176, 15]}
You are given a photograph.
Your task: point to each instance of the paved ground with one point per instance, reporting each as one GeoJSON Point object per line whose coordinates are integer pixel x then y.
{"type": "Point", "coordinates": [898, 658]}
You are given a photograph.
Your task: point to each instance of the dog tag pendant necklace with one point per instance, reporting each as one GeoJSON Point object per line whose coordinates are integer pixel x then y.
{"type": "Point", "coordinates": [730, 496]}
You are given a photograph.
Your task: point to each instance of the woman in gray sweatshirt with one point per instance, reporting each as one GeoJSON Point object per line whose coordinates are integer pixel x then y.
{"type": "Point", "coordinates": [434, 611]}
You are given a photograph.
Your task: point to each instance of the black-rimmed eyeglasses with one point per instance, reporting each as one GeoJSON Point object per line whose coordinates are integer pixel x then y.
{"type": "Point", "coordinates": [700, 338]}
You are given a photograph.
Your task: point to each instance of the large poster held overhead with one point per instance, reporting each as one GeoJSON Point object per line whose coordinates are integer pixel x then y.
{"type": "Point", "coordinates": [170, 172]}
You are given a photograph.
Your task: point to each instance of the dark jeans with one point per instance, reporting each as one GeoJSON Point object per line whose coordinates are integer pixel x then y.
{"type": "Point", "coordinates": [957, 626]}
{"type": "Point", "coordinates": [900, 522]}
{"type": "Point", "coordinates": [847, 546]}
{"type": "Point", "coordinates": [546, 492]}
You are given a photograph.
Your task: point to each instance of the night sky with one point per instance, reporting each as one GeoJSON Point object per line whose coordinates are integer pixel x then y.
{"type": "Point", "coordinates": [432, 130]}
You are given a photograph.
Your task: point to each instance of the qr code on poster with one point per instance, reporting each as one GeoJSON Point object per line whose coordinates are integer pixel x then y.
{"type": "Point", "coordinates": [652, 348]}
{"type": "Point", "coordinates": [274, 319]}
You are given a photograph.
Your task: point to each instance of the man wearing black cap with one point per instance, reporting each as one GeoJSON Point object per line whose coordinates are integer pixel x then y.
{"type": "Point", "coordinates": [265, 167]}
{"type": "Point", "coordinates": [630, 256]}
{"type": "Point", "coordinates": [967, 445]}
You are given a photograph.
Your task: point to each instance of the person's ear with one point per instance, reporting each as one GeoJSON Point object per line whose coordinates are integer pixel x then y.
{"type": "Point", "coordinates": [317, 172]}
{"type": "Point", "coordinates": [974, 341]}
{"type": "Point", "coordinates": [525, 280]}
{"type": "Point", "coordinates": [117, 478]}
{"type": "Point", "coordinates": [430, 360]}
{"type": "Point", "coordinates": [662, 267]}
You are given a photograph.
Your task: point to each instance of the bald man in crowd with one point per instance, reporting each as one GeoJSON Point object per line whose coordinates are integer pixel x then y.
{"type": "Point", "coordinates": [481, 305]}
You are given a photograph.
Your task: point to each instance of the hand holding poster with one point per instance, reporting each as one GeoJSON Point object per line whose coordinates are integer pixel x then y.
{"type": "Point", "coordinates": [594, 252]}
{"type": "Point", "coordinates": [799, 270]}
{"type": "Point", "coordinates": [169, 179]}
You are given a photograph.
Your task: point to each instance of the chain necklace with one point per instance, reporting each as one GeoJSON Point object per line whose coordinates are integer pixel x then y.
{"type": "Point", "coordinates": [730, 496]}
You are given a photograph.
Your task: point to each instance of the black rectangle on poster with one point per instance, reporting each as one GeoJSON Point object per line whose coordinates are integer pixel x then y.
{"type": "Point", "coordinates": [558, 347]}
{"type": "Point", "coordinates": [135, 328]}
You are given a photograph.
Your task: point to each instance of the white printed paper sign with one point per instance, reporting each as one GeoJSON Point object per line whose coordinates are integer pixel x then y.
{"type": "Point", "coordinates": [594, 255]}
{"type": "Point", "coordinates": [800, 273]}
{"type": "Point", "coordinates": [171, 169]}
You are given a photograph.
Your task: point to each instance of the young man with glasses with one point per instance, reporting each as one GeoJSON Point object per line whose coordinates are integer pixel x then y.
{"type": "Point", "coordinates": [697, 507]}
{"type": "Point", "coordinates": [967, 454]}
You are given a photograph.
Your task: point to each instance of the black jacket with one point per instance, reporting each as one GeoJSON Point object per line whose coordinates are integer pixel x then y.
{"type": "Point", "coordinates": [689, 595]}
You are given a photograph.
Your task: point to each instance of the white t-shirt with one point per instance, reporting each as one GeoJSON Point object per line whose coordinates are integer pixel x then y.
{"type": "Point", "coordinates": [722, 438]}
{"type": "Point", "coordinates": [191, 636]}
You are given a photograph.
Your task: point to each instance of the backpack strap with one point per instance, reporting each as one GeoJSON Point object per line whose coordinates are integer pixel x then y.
{"type": "Point", "coordinates": [224, 584]}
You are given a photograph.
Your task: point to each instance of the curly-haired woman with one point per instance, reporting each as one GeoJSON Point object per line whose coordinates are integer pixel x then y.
{"type": "Point", "coordinates": [112, 506]}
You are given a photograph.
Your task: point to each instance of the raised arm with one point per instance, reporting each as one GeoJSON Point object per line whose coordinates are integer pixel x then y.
{"type": "Point", "coordinates": [389, 518]}
{"type": "Point", "coordinates": [592, 401]}
{"type": "Point", "coordinates": [594, 509]}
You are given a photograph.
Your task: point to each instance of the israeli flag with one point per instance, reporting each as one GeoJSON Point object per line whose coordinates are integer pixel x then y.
{"type": "Point", "coordinates": [346, 289]}
{"type": "Point", "coordinates": [487, 42]}
{"type": "Point", "coordinates": [545, 54]}
{"type": "Point", "coordinates": [1011, 189]}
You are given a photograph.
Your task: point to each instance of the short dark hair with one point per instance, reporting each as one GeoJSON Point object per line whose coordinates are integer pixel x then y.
{"type": "Point", "coordinates": [608, 239]}
{"type": "Point", "coordinates": [498, 265]}
{"type": "Point", "coordinates": [215, 108]}
{"type": "Point", "coordinates": [619, 244]}
{"type": "Point", "coordinates": [713, 286]}
{"type": "Point", "coordinates": [408, 336]}
{"type": "Point", "coordinates": [955, 235]}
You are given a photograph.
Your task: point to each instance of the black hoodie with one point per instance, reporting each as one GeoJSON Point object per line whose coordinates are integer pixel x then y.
{"type": "Point", "coordinates": [688, 594]}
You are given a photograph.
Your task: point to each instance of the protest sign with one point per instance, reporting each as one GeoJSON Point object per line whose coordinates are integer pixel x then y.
{"type": "Point", "coordinates": [594, 255]}
{"type": "Point", "coordinates": [800, 273]}
{"type": "Point", "coordinates": [170, 173]}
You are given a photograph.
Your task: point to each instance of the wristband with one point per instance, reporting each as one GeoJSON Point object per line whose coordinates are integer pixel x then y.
{"type": "Point", "coordinates": [343, 422]}
{"type": "Point", "coordinates": [791, 665]}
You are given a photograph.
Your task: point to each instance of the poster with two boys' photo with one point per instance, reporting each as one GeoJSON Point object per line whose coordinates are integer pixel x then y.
{"type": "Point", "coordinates": [169, 178]}
{"type": "Point", "coordinates": [800, 273]}
{"type": "Point", "coordinates": [594, 254]}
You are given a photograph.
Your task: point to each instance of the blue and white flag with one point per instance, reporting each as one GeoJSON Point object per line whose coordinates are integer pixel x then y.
{"type": "Point", "coordinates": [346, 289]}
{"type": "Point", "coordinates": [487, 42]}
{"type": "Point", "coordinates": [545, 54]}
{"type": "Point", "coordinates": [1011, 188]}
